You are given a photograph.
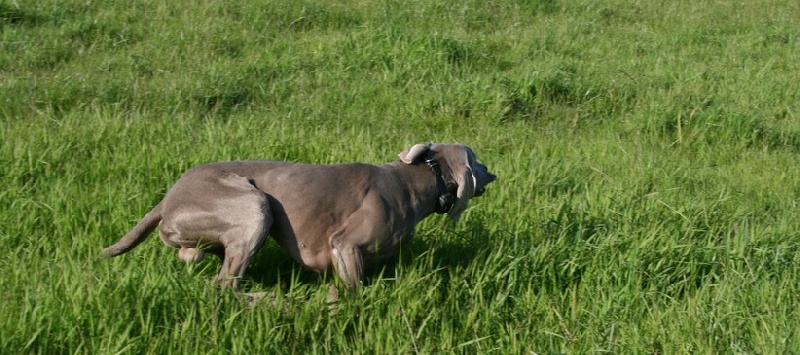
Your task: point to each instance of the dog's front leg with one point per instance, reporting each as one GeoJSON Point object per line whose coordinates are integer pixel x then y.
{"type": "Point", "coordinates": [349, 264]}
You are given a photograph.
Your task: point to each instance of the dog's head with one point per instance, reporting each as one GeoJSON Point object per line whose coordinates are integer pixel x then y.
{"type": "Point", "coordinates": [460, 167]}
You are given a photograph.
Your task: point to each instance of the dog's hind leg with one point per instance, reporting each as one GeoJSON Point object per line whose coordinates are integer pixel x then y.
{"type": "Point", "coordinates": [251, 219]}
{"type": "Point", "coordinates": [217, 212]}
{"type": "Point", "coordinates": [239, 252]}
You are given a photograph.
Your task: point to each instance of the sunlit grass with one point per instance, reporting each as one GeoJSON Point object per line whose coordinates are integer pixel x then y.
{"type": "Point", "coordinates": [646, 156]}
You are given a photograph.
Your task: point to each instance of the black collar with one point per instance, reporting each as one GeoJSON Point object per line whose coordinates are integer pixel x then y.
{"type": "Point", "coordinates": [446, 199]}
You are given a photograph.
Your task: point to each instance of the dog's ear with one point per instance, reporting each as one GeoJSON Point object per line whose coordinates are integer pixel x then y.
{"type": "Point", "coordinates": [409, 155]}
{"type": "Point", "coordinates": [460, 162]}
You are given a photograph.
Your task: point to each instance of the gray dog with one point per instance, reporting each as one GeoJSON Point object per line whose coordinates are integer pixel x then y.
{"type": "Point", "coordinates": [344, 216]}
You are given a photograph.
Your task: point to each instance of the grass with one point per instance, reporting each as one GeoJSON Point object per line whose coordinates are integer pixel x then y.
{"type": "Point", "coordinates": [645, 151]}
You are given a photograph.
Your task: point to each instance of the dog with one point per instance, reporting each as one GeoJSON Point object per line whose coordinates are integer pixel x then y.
{"type": "Point", "coordinates": [340, 217]}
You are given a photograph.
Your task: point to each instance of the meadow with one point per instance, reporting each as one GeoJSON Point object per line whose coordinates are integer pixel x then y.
{"type": "Point", "coordinates": [646, 155]}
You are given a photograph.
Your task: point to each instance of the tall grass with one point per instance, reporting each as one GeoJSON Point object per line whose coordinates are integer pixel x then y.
{"type": "Point", "coordinates": [646, 155]}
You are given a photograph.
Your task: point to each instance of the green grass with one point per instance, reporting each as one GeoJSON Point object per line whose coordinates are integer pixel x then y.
{"type": "Point", "coordinates": [646, 154]}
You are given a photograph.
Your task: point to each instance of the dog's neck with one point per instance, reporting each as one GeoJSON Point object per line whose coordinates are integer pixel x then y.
{"type": "Point", "coordinates": [424, 185]}
{"type": "Point", "coordinates": [445, 200]}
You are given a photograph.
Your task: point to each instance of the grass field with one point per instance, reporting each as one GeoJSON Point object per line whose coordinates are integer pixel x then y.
{"type": "Point", "coordinates": [647, 157]}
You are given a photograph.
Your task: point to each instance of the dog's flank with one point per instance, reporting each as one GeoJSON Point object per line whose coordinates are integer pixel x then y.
{"type": "Point", "coordinates": [342, 217]}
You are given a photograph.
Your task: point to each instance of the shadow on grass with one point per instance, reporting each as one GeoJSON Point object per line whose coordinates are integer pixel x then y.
{"type": "Point", "coordinates": [272, 266]}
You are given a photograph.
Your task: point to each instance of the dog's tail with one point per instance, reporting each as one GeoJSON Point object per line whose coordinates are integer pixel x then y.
{"type": "Point", "coordinates": [135, 235]}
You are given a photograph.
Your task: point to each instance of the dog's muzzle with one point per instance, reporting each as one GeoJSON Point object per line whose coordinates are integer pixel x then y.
{"type": "Point", "coordinates": [481, 190]}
